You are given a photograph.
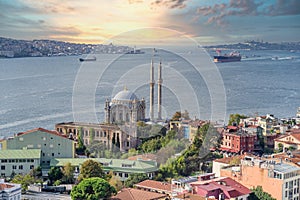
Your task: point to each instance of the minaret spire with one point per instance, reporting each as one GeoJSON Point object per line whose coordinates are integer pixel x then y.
{"type": "Point", "coordinates": [159, 84]}
{"type": "Point", "coordinates": [151, 91]}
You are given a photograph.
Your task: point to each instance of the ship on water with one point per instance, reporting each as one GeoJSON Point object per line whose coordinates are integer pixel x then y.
{"type": "Point", "coordinates": [87, 59]}
{"type": "Point", "coordinates": [232, 57]}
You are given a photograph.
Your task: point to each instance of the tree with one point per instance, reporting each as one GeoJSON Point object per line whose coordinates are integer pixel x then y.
{"type": "Point", "coordinates": [36, 172]}
{"type": "Point", "coordinates": [135, 178]}
{"type": "Point", "coordinates": [92, 189]}
{"type": "Point", "coordinates": [54, 174]}
{"type": "Point", "coordinates": [25, 181]}
{"type": "Point", "coordinates": [68, 173]}
{"type": "Point", "coordinates": [259, 194]}
{"type": "Point", "coordinates": [115, 181]}
{"type": "Point", "coordinates": [89, 169]}
{"type": "Point", "coordinates": [235, 161]}
{"type": "Point", "coordinates": [81, 148]}
{"type": "Point", "coordinates": [235, 119]}
{"type": "Point", "coordinates": [176, 116]}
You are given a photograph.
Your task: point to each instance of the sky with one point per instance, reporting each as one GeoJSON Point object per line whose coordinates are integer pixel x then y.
{"type": "Point", "coordinates": [98, 21]}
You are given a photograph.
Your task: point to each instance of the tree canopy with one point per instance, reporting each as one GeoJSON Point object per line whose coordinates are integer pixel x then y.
{"type": "Point", "coordinates": [135, 178]}
{"type": "Point", "coordinates": [259, 194]}
{"type": "Point", "coordinates": [92, 189]}
{"type": "Point", "coordinates": [89, 169]}
{"type": "Point", "coordinates": [54, 174]}
{"type": "Point", "coordinates": [234, 119]}
{"type": "Point", "coordinates": [24, 180]}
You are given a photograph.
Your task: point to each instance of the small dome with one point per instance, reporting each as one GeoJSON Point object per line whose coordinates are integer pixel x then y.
{"type": "Point", "coordinates": [125, 95]}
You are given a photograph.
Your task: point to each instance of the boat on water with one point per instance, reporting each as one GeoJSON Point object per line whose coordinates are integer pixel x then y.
{"type": "Point", "coordinates": [87, 59]}
{"type": "Point", "coordinates": [135, 51]}
{"type": "Point", "coordinates": [232, 57]}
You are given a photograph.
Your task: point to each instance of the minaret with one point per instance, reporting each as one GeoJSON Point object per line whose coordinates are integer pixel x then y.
{"type": "Point", "coordinates": [107, 112]}
{"type": "Point", "coordinates": [151, 91]}
{"type": "Point", "coordinates": [159, 83]}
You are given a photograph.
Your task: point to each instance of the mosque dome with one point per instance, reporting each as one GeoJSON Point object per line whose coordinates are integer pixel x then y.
{"type": "Point", "coordinates": [125, 95]}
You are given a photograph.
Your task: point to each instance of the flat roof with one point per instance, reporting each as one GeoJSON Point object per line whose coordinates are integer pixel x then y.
{"type": "Point", "coordinates": [20, 154]}
{"type": "Point", "coordinates": [112, 164]}
{"type": "Point", "coordinates": [285, 168]}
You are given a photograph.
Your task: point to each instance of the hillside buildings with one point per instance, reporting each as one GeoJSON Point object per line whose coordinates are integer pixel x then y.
{"type": "Point", "coordinates": [123, 137]}
{"type": "Point", "coordinates": [120, 167]}
{"type": "Point", "coordinates": [51, 143]}
{"type": "Point", "coordinates": [281, 180]}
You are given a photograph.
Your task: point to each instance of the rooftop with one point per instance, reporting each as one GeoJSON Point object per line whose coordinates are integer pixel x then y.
{"type": "Point", "coordinates": [20, 154]}
{"type": "Point", "coordinates": [42, 130]}
{"type": "Point", "coordinates": [135, 194]}
{"type": "Point", "coordinates": [119, 165]}
{"type": "Point", "coordinates": [155, 185]}
{"type": "Point", "coordinates": [285, 168]}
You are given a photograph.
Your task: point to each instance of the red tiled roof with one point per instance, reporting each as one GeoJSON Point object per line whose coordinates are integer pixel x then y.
{"type": "Point", "coordinates": [189, 196]}
{"type": "Point", "coordinates": [145, 157]}
{"type": "Point", "coordinates": [228, 186]}
{"type": "Point", "coordinates": [232, 127]}
{"type": "Point", "coordinates": [154, 185]}
{"type": "Point", "coordinates": [135, 194]}
{"type": "Point", "coordinates": [4, 186]}
{"type": "Point", "coordinates": [42, 130]}
{"type": "Point", "coordinates": [227, 160]}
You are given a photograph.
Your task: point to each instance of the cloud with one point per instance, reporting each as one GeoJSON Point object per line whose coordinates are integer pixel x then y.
{"type": "Point", "coordinates": [170, 3]}
{"type": "Point", "coordinates": [219, 13]}
{"type": "Point", "coordinates": [284, 7]}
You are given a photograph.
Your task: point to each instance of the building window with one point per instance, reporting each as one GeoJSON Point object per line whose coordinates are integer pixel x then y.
{"type": "Point", "coordinates": [51, 145]}
{"type": "Point", "coordinates": [14, 167]}
{"type": "Point", "coordinates": [52, 154]}
{"type": "Point", "coordinates": [44, 138]}
{"type": "Point", "coordinates": [20, 166]}
{"type": "Point", "coordinates": [31, 166]}
{"type": "Point", "coordinates": [21, 139]}
{"type": "Point", "coordinates": [126, 175]}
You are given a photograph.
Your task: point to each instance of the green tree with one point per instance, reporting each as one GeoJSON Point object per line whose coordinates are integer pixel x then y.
{"type": "Point", "coordinates": [81, 147]}
{"type": "Point", "coordinates": [68, 173]}
{"type": "Point", "coordinates": [176, 116]}
{"type": "Point", "coordinates": [135, 178]}
{"type": "Point", "coordinates": [92, 189]}
{"type": "Point", "coordinates": [54, 174]}
{"type": "Point", "coordinates": [36, 172]}
{"type": "Point", "coordinates": [259, 194]}
{"type": "Point", "coordinates": [235, 119]}
{"type": "Point", "coordinates": [235, 160]}
{"type": "Point", "coordinates": [115, 181]}
{"type": "Point", "coordinates": [89, 169]}
{"type": "Point", "coordinates": [24, 180]}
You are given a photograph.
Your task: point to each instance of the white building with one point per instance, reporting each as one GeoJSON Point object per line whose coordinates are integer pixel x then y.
{"type": "Point", "coordinates": [9, 191]}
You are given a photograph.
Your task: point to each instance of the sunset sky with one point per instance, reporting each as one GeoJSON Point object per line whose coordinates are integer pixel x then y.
{"type": "Point", "coordinates": [207, 21]}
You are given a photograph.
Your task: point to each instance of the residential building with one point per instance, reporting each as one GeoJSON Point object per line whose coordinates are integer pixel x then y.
{"type": "Point", "coordinates": [155, 186]}
{"type": "Point", "coordinates": [19, 161]}
{"type": "Point", "coordinates": [220, 163]}
{"type": "Point", "coordinates": [220, 188]}
{"type": "Point", "coordinates": [267, 122]}
{"type": "Point", "coordinates": [288, 141]}
{"type": "Point", "coordinates": [108, 134]}
{"type": "Point", "coordinates": [120, 167]}
{"type": "Point", "coordinates": [279, 179]}
{"type": "Point", "coordinates": [51, 143]}
{"type": "Point", "coordinates": [10, 191]}
{"type": "Point", "coordinates": [134, 194]}
{"type": "Point", "coordinates": [237, 140]}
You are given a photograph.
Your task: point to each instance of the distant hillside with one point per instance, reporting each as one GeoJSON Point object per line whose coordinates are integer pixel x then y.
{"type": "Point", "coordinates": [255, 45]}
{"type": "Point", "coordinates": [10, 48]}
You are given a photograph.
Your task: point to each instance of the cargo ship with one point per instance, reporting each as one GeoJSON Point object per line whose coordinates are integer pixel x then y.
{"type": "Point", "coordinates": [232, 57]}
{"type": "Point", "coordinates": [87, 59]}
